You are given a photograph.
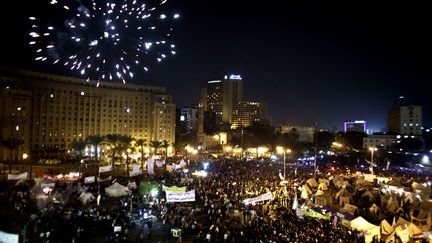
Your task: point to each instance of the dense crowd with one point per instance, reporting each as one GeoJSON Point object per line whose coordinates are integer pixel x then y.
{"type": "Point", "coordinates": [217, 215]}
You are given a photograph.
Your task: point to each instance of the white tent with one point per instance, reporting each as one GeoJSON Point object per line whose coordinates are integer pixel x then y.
{"type": "Point", "coordinates": [321, 180]}
{"type": "Point", "coordinates": [370, 230]}
{"type": "Point", "coordinates": [86, 197]}
{"type": "Point", "coordinates": [319, 193]}
{"type": "Point", "coordinates": [116, 190]}
{"type": "Point", "coordinates": [132, 185]}
{"type": "Point", "coordinates": [305, 191]}
{"type": "Point", "coordinates": [415, 231]}
{"type": "Point", "coordinates": [402, 233]}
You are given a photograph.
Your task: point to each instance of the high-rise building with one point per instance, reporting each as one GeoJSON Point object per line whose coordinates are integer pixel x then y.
{"type": "Point", "coordinates": [221, 96]}
{"type": "Point", "coordinates": [49, 112]}
{"type": "Point", "coordinates": [247, 113]}
{"type": "Point", "coordinates": [405, 119]}
{"type": "Point", "coordinates": [355, 126]}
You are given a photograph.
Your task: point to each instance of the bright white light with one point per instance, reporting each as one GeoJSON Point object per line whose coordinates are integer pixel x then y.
{"type": "Point", "coordinates": [93, 43]}
{"type": "Point", "coordinates": [176, 16]}
{"type": "Point", "coordinates": [425, 159]}
{"type": "Point", "coordinates": [82, 93]}
{"type": "Point", "coordinates": [206, 165]}
{"type": "Point", "coordinates": [162, 16]}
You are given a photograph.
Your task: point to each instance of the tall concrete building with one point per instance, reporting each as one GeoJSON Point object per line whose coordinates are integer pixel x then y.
{"type": "Point", "coordinates": [221, 95]}
{"type": "Point", "coordinates": [247, 113]}
{"type": "Point", "coordinates": [49, 112]}
{"type": "Point", "coordinates": [405, 119]}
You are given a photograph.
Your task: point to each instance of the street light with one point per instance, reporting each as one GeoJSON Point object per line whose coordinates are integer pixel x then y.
{"type": "Point", "coordinates": [372, 149]}
{"type": "Point", "coordinates": [280, 150]}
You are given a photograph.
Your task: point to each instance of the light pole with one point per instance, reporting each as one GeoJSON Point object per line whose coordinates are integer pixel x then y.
{"type": "Point", "coordinates": [372, 149]}
{"type": "Point", "coordinates": [284, 151]}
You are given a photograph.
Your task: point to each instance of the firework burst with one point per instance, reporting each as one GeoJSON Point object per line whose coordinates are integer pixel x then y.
{"type": "Point", "coordinates": [103, 40]}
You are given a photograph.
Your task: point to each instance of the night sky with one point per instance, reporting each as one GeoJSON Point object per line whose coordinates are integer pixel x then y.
{"type": "Point", "coordinates": [323, 62]}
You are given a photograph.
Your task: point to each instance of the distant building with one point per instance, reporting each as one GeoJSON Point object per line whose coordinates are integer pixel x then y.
{"type": "Point", "coordinates": [382, 141]}
{"type": "Point", "coordinates": [188, 121]}
{"type": "Point", "coordinates": [405, 120]}
{"type": "Point", "coordinates": [247, 113]}
{"type": "Point", "coordinates": [355, 126]}
{"type": "Point", "coordinates": [305, 133]}
{"type": "Point", "coordinates": [49, 112]}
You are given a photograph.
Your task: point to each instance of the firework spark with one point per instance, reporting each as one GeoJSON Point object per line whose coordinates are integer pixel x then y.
{"type": "Point", "coordinates": [103, 40]}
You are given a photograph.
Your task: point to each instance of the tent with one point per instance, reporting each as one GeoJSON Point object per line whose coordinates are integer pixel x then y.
{"type": "Point", "coordinates": [402, 233]}
{"type": "Point", "coordinates": [312, 182]}
{"type": "Point", "coordinates": [344, 200]}
{"type": "Point", "coordinates": [116, 190]}
{"type": "Point", "coordinates": [415, 231]}
{"type": "Point", "coordinates": [420, 218]}
{"type": "Point", "coordinates": [305, 191]}
{"type": "Point", "coordinates": [392, 205]}
{"type": "Point", "coordinates": [132, 185]}
{"type": "Point", "coordinates": [367, 194]}
{"type": "Point", "coordinates": [86, 197]}
{"type": "Point", "coordinates": [386, 228]}
{"type": "Point", "coordinates": [374, 208]}
{"type": "Point", "coordinates": [349, 208]}
{"type": "Point", "coordinates": [342, 193]}
{"type": "Point", "coordinates": [319, 193]}
{"type": "Point", "coordinates": [370, 230]}
{"type": "Point", "coordinates": [321, 180]}
{"type": "Point", "coordinates": [323, 186]}
{"type": "Point", "coordinates": [401, 222]}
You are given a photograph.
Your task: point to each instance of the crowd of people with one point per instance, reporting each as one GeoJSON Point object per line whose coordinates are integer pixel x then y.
{"type": "Point", "coordinates": [217, 215]}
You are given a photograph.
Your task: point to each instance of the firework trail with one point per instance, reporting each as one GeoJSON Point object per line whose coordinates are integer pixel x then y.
{"type": "Point", "coordinates": [103, 40]}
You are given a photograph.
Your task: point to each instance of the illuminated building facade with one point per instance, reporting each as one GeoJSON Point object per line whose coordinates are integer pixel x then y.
{"type": "Point", "coordinates": [405, 119]}
{"type": "Point", "coordinates": [355, 126]}
{"type": "Point", "coordinates": [247, 113]}
{"type": "Point", "coordinates": [49, 112]}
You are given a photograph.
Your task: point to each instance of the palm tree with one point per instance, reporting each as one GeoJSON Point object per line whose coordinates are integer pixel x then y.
{"type": "Point", "coordinates": [124, 146]}
{"type": "Point", "coordinates": [113, 140]}
{"type": "Point", "coordinates": [96, 141]}
{"type": "Point", "coordinates": [165, 144]}
{"type": "Point", "coordinates": [79, 146]}
{"type": "Point", "coordinates": [12, 144]}
{"type": "Point", "coordinates": [156, 145]}
{"type": "Point", "coordinates": [141, 143]}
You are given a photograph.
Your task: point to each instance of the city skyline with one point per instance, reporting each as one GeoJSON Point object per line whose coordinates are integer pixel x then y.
{"type": "Point", "coordinates": [304, 61]}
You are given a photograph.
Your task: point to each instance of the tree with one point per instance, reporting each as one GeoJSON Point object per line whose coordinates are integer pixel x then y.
{"type": "Point", "coordinates": [79, 146]}
{"type": "Point", "coordinates": [353, 139]}
{"type": "Point", "coordinates": [113, 140]}
{"type": "Point", "coordinates": [95, 140]}
{"type": "Point", "coordinates": [324, 140]}
{"type": "Point", "coordinates": [141, 143]}
{"type": "Point", "coordinates": [124, 145]}
{"type": "Point", "coordinates": [156, 145]}
{"type": "Point", "coordinates": [12, 144]}
{"type": "Point", "coordinates": [165, 144]}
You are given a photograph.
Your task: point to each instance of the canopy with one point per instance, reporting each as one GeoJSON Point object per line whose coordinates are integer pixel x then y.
{"type": "Point", "coordinates": [116, 190]}
{"type": "Point", "coordinates": [374, 208]}
{"type": "Point", "coordinates": [370, 230]}
{"type": "Point", "coordinates": [86, 197]}
{"type": "Point", "coordinates": [319, 193]}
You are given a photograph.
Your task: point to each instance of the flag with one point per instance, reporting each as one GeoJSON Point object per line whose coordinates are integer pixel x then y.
{"type": "Point", "coordinates": [150, 166]}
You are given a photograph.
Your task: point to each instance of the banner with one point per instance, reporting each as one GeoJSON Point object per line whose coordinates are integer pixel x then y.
{"type": "Point", "coordinates": [89, 179]}
{"type": "Point", "coordinates": [263, 197]}
{"type": "Point", "coordinates": [150, 166]}
{"type": "Point", "coordinates": [17, 177]}
{"type": "Point", "coordinates": [48, 184]}
{"type": "Point", "coordinates": [180, 196]}
{"type": "Point", "coordinates": [102, 180]}
{"type": "Point", "coordinates": [105, 168]}
{"type": "Point", "coordinates": [174, 188]}
{"type": "Point", "coordinates": [180, 165]}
